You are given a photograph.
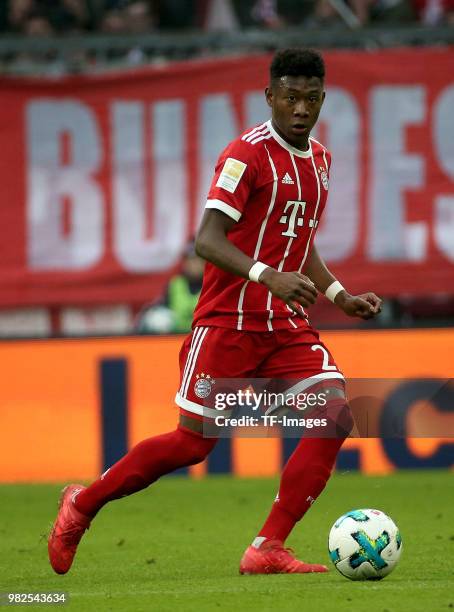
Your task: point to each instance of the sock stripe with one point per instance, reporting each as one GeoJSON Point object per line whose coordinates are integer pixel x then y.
{"type": "Point", "coordinates": [258, 541]}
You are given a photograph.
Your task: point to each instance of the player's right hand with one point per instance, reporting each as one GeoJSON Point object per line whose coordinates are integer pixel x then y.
{"type": "Point", "coordinates": [292, 288]}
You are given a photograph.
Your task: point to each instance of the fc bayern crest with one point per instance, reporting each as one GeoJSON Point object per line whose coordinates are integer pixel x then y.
{"type": "Point", "coordinates": [324, 177]}
{"type": "Point", "coordinates": [203, 385]}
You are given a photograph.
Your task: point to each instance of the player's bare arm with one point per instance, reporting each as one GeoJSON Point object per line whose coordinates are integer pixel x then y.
{"type": "Point", "coordinates": [365, 306]}
{"type": "Point", "coordinates": [212, 244]}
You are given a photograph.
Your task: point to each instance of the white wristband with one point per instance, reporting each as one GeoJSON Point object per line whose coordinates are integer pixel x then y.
{"type": "Point", "coordinates": [333, 290]}
{"type": "Point", "coordinates": [256, 270]}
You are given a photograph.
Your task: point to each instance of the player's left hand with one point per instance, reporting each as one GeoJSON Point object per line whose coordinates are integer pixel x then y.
{"type": "Point", "coordinates": [365, 306]}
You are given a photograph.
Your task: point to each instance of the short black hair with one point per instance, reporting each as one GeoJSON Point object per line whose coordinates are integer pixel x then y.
{"type": "Point", "coordinates": [297, 62]}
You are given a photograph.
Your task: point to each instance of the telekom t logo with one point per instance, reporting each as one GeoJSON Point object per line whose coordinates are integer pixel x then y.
{"type": "Point", "coordinates": [295, 217]}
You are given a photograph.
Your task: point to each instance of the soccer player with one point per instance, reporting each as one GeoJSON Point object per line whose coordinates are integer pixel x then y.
{"type": "Point", "coordinates": [257, 235]}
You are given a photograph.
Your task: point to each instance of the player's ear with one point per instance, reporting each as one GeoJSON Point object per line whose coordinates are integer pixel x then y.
{"type": "Point", "coordinates": [269, 96]}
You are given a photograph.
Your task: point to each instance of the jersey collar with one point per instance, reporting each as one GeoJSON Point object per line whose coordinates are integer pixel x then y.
{"type": "Point", "coordinates": [288, 146]}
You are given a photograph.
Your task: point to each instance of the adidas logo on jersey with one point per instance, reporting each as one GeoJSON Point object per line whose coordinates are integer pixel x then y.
{"type": "Point", "coordinates": [287, 180]}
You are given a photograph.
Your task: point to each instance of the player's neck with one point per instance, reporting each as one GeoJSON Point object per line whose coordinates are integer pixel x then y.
{"type": "Point", "coordinates": [302, 145]}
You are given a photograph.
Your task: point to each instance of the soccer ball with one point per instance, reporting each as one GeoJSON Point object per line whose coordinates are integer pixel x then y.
{"type": "Point", "coordinates": [364, 544]}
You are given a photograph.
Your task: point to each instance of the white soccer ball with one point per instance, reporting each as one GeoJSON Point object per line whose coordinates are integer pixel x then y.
{"type": "Point", "coordinates": [364, 544]}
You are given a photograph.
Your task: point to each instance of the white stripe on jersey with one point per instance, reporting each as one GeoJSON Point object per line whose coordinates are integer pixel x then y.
{"type": "Point", "coordinates": [259, 127]}
{"type": "Point", "coordinates": [289, 243]}
{"type": "Point", "coordinates": [268, 307]}
{"type": "Point", "coordinates": [259, 239]}
{"type": "Point", "coordinates": [292, 157]}
{"type": "Point", "coordinates": [324, 158]}
{"type": "Point", "coordinates": [315, 212]}
{"type": "Point", "coordinates": [265, 136]}
{"type": "Point", "coordinates": [319, 143]}
{"type": "Point", "coordinates": [192, 359]}
{"type": "Point", "coordinates": [257, 134]}
{"type": "Point", "coordinates": [240, 305]}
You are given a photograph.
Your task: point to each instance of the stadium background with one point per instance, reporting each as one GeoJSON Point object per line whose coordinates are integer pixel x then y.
{"type": "Point", "coordinates": [113, 115]}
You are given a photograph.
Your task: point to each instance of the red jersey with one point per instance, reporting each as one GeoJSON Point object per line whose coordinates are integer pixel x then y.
{"type": "Point", "coordinates": [276, 194]}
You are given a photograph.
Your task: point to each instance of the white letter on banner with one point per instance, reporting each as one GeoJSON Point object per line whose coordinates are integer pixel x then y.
{"type": "Point", "coordinates": [338, 233]}
{"type": "Point", "coordinates": [131, 194]}
{"type": "Point", "coordinates": [51, 179]}
{"type": "Point", "coordinates": [392, 172]}
{"type": "Point", "coordinates": [444, 147]}
{"type": "Point", "coordinates": [217, 128]}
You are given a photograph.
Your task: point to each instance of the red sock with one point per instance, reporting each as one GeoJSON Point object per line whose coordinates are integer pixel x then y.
{"type": "Point", "coordinates": [303, 479]}
{"type": "Point", "coordinates": [145, 463]}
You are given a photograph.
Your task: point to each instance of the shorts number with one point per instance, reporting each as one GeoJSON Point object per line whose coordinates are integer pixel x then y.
{"type": "Point", "coordinates": [325, 364]}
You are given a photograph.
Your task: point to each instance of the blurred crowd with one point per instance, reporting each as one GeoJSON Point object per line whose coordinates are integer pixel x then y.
{"type": "Point", "coordinates": [48, 17]}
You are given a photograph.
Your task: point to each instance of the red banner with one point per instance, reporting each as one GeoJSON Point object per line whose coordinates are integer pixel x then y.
{"type": "Point", "coordinates": [103, 178]}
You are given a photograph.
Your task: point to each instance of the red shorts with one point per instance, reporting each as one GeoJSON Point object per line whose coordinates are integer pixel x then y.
{"type": "Point", "coordinates": [211, 353]}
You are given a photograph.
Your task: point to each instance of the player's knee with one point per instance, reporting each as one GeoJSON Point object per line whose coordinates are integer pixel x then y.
{"type": "Point", "coordinates": [197, 447]}
{"type": "Point", "coordinates": [200, 452]}
{"type": "Point", "coordinates": [344, 421]}
{"type": "Point", "coordinates": [339, 418]}
{"type": "Point", "coordinates": [198, 456]}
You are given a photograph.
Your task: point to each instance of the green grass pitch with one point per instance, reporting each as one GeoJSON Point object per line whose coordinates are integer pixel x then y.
{"type": "Point", "coordinates": [177, 545]}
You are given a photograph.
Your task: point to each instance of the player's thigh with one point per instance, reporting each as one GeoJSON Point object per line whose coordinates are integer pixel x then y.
{"type": "Point", "coordinates": [300, 355]}
{"type": "Point", "coordinates": [208, 356]}
{"type": "Point", "coordinates": [304, 368]}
